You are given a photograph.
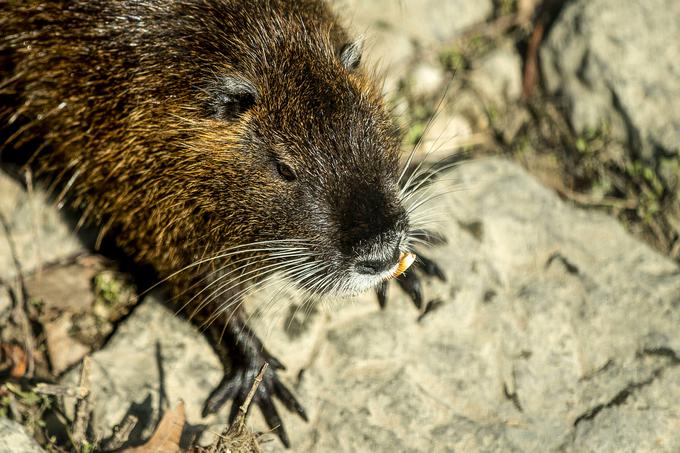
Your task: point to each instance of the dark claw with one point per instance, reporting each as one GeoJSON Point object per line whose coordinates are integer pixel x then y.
{"type": "Point", "coordinates": [273, 361]}
{"type": "Point", "coordinates": [225, 391]}
{"type": "Point", "coordinates": [429, 267]}
{"type": "Point", "coordinates": [289, 400]}
{"type": "Point", "coordinates": [410, 283]}
{"type": "Point", "coordinates": [381, 291]}
{"type": "Point", "coordinates": [271, 415]}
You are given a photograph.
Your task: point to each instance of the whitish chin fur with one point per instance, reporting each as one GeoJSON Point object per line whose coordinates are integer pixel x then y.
{"type": "Point", "coordinates": [354, 284]}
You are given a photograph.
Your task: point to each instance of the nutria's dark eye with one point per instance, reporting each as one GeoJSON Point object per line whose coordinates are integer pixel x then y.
{"type": "Point", "coordinates": [286, 172]}
{"type": "Point", "coordinates": [230, 97]}
{"type": "Point", "coordinates": [350, 55]}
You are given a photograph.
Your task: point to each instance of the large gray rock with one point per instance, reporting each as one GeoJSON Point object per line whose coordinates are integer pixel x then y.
{"type": "Point", "coordinates": [154, 360]}
{"type": "Point", "coordinates": [32, 230]}
{"type": "Point", "coordinates": [498, 76]}
{"type": "Point", "coordinates": [558, 331]}
{"type": "Point", "coordinates": [653, 409]}
{"type": "Point", "coordinates": [618, 62]}
{"type": "Point", "coordinates": [13, 438]}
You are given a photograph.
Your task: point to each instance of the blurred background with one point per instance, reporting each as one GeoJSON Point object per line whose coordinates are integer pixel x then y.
{"type": "Point", "coordinates": [557, 327]}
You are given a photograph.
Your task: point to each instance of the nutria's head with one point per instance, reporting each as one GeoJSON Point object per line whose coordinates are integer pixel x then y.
{"type": "Point", "coordinates": [195, 127]}
{"type": "Point", "coordinates": [304, 150]}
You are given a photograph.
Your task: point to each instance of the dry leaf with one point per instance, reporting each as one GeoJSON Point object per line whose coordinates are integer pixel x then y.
{"type": "Point", "coordinates": [167, 435]}
{"type": "Point", "coordinates": [13, 360]}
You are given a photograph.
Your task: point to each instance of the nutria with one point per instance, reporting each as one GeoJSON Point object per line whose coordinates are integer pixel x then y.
{"type": "Point", "coordinates": [220, 141]}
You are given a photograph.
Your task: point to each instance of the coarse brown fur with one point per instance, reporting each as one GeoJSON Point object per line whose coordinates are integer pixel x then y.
{"type": "Point", "coordinates": [123, 105]}
{"type": "Point", "coordinates": [119, 103]}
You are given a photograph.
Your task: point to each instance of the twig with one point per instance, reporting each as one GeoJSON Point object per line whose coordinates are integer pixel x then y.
{"type": "Point", "coordinates": [82, 416]}
{"type": "Point", "coordinates": [237, 437]}
{"type": "Point", "coordinates": [62, 390]}
{"type": "Point", "coordinates": [121, 433]}
{"type": "Point", "coordinates": [586, 200]}
{"type": "Point", "coordinates": [530, 75]}
{"type": "Point", "coordinates": [243, 410]}
{"type": "Point", "coordinates": [20, 299]}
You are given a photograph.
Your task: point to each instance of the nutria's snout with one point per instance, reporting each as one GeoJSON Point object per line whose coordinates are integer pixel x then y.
{"type": "Point", "coordinates": [373, 236]}
{"type": "Point", "coordinates": [378, 260]}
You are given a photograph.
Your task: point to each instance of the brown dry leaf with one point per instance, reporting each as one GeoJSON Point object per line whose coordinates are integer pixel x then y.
{"type": "Point", "coordinates": [13, 360]}
{"type": "Point", "coordinates": [167, 435]}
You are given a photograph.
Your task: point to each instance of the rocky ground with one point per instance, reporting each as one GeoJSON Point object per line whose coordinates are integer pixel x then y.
{"type": "Point", "coordinates": [557, 328]}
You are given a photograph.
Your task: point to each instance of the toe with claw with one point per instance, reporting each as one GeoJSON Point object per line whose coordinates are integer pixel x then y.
{"type": "Point", "coordinates": [243, 361]}
{"type": "Point", "coordinates": [237, 383]}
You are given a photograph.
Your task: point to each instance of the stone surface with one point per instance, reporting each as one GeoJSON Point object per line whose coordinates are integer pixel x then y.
{"type": "Point", "coordinates": [13, 438]}
{"type": "Point", "coordinates": [426, 80]}
{"type": "Point", "coordinates": [154, 360]}
{"type": "Point", "coordinates": [394, 30]}
{"type": "Point", "coordinates": [651, 410]}
{"type": "Point", "coordinates": [558, 331]}
{"type": "Point", "coordinates": [5, 303]}
{"type": "Point", "coordinates": [619, 63]}
{"type": "Point", "coordinates": [32, 231]}
{"type": "Point", "coordinates": [445, 19]}
{"type": "Point", "coordinates": [498, 76]}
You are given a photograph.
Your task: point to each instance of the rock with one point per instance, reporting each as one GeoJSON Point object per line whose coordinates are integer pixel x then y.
{"type": "Point", "coordinates": [498, 76]}
{"type": "Point", "coordinates": [155, 360]}
{"type": "Point", "coordinates": [618, 63]}
{"type": "Point", "coordinates": [648, 421]}
{"type": "Point", "coordinates": [5, 304]}
{"type": "Point", "coordinates": [34, 231]}
{"type": "Point", "coordinates": [426, 80]}
{"type": "Point", "coordinates": [62, 349]}
{"type": "Point", "coordinates": [445, 19]}
{"type": "Point", "coordinates": [448, 133]}
{"type": "Point", "coordinates": [13, 438]}
{"type": "Point", "coordinates": [394, 29]}
{"type": "Point", "coordinates": [557, 330]}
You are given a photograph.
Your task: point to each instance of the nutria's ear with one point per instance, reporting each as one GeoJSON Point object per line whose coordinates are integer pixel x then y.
{"type": "Point", "coordinates": [230, 97]}
{"type": "Point", "coordinates": [350, 55]}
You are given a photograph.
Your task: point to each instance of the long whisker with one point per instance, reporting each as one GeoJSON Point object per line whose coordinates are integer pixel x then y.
{"type": "Point", "coordinates": [237, 298]}
{"type": "Point", "coordinates": [248, 291]}
{"type": "Point", "coordinates": [425, 131]}
{"type": "Point", "coordinates": [230, 252]}
{"type": "Point", "coordinates": [240, 279]}
{"type": "Point", "coordinates": [433, 168]}
{"type": "Point", "coordinates": [429, 199]}
{"type": "Point", "coordinates": [289, 268]}
{"type": "Point", "coordinates": [426, 178]}
{"type": "Point", "coordinates": [301, 275]}
{"type": "Point", "coordinates": [312, 284]}
{"type": "Point", "coordinates": [285, 253]}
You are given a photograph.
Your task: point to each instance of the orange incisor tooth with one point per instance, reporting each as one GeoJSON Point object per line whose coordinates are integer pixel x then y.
{"type": "Point", "coordinates": [405, 261]}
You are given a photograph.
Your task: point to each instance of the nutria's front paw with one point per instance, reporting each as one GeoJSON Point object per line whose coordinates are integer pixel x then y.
{"type": "Point", "coordinates": [410, 283]}
{"type": "Point", "coordinates": [237, 383]}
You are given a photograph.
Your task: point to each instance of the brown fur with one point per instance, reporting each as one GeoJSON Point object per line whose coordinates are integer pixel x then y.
{"type": "Point", "coordinates": [116, 92]}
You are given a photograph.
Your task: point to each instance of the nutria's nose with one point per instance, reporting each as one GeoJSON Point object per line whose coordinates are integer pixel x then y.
{"type": "Point", "coordinates": [373, 265]}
